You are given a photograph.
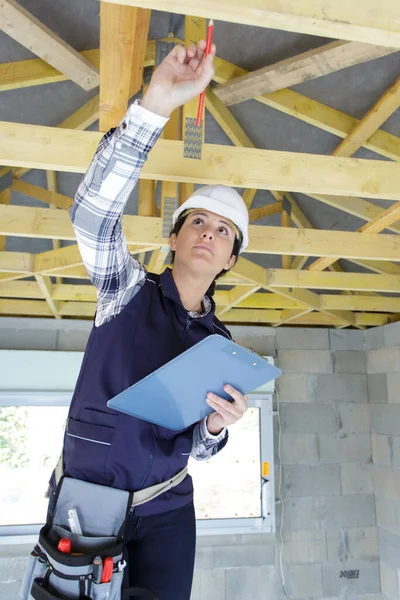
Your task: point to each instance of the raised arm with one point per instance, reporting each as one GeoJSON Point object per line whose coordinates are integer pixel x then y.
{"type": "Point", "coordinates": [100, 200]}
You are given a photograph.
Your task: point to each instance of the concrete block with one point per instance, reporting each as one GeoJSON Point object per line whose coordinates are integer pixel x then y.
{"type": "Point", "coordinates": [290, 338]}
{"type": "Point", "coordinates": [381, 449]}
{"type": "Point", "coordinates": [389, 580]}
{"type": "Point", "coordinates": [384, 360]}
{"type": "Point", "coordinates": [353, 543]}
{"type": "Point", "coordinates": [236, 555]}
{"type": "Point", "coordinates": [329, 512]}
{"type": "Point", "coordinates": [259, 339]}
{"type": "Point", "coordinates": [374, 338]}
{"type": "Point", "coordinates": [305, 361]}
{"type": "Point", "coordinates": [341, 387]}
{"type": "Point", "coordinates": [346, 339]}
{"type": "Point", "coordinates": [303, 581]}
{"type": "Point", "coordinates": [71, 340]}
{"type": "Point", "coordinates": [350, 361]}
{"type": "Point", "coordinates": [389, 548]}
{"type": "Point", "coordinates": [391, 334]}
{"type": "Point", "coordinates": [356, 479]}
{"type": "Point", "coordinates": [346, 449]}
{"type": "Point", "coordinates": [304, 546]}
{"type": "Point", "coordinates": [252, 582]}
{"type": "Point", "coordinates": [377, 387]}
{"type": "Point", "coordinates": [387, 482]}
{"type": "Point", "coordinates": [385, 418]}
{"type": "Point", "coordinates": [395, 452]}
{"type": "Point", "coordinates": [196, 586]}
{"type": "Point", "coordinates": [368, 578]}
{"type": "Point", "coordinates": [296, 387]}
{"type": "Point", "coordinates": [308, 418]}
{"type": "Point", "coordinates": [299, 448]}
{"type": "Point", "coordinates": [308, 480]}
{"type": "Point", "coordinates": [30, 339]}
{"type": "Point", "coordinates": [385, 512]}
{"type": "Point", "coordinates": [212, 584]}
{"type": "Point", "coordinates": [353, 418]}
{"type": "Point", "coordinates": [393, 387]}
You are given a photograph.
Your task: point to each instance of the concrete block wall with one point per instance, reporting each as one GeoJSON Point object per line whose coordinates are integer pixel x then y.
{"type": "Point", "coordinates": [330, 537]}
{"type": "Point", "coordinates": [333, 468]}
{"type": "Point", "coordinates": [383, 367]}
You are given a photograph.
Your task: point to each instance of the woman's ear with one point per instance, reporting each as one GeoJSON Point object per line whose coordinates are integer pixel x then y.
{"type": "Point", "coordinates": [172, 241]}
{"type": "Point", "coordinates": [230, 263]}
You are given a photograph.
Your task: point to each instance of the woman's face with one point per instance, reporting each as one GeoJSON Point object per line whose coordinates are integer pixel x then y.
{"type": "Point", "coordinates": [205, 241]}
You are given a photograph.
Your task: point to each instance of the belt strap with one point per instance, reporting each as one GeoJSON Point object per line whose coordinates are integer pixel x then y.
{"type": "Point", "coordinates": [141, 496]}
{"type": "Point", "coordinates": [149, 493]}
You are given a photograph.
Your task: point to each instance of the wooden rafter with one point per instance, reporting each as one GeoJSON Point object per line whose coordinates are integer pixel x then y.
{"type": "Point", "coordinates": [305, 66]}
{"type": "Point", "coordinates": [71, 150]}
{"type": "Point", "coordinates": [370, 23]}
{"type": "Point", "coordinates": [117, 42]}
{"type": "Point", "coordinates": [26, 221]}
{"type": "Point", "coordinates": [23, 27]}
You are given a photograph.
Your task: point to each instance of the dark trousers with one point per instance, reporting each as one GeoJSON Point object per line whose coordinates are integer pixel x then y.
{"type": "Point", "coordinates": [160, 553]}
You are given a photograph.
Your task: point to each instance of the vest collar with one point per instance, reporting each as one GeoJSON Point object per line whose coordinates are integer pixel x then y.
{"type": "Point", "coordinates": [170, 290]}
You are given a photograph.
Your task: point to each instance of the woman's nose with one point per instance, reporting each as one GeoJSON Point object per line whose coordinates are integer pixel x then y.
{"type": "Point", "coordinates": [208, 234]}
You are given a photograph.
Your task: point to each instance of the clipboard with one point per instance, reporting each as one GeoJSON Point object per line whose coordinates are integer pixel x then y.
{"type": "Point", "coordinates": [174, 396]}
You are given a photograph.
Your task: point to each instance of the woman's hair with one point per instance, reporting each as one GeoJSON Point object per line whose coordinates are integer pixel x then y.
{"type": "Point", "coordinates": [235, 250]}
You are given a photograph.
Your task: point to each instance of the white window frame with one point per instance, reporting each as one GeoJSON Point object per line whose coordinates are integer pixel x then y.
{"type": "Point", "coordinates": [261, 399]}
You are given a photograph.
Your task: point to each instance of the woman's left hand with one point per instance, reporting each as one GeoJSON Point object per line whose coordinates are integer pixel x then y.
{"type": "Point", "coordinates": [227, 412]}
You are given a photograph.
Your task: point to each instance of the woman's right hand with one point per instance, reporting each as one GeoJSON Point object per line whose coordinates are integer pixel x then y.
{"type": "Point", "coordinates": [181, 76]}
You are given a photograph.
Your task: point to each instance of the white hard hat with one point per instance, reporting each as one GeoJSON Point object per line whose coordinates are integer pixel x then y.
{"type": "Point", "coordinates": [222, 200]}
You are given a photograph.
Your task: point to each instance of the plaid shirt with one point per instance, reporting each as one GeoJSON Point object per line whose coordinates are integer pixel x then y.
{"type": "Point", "coordinates": [96, 216]}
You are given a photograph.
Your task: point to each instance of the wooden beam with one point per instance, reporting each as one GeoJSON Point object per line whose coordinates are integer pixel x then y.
{"type": "Point", "coordinates": [368, 23]}
{"type": "Point", "coordinates": [285, 222]}
{"type": "Point", "coordinates": [26, 221]}
{"type": "Point", "coordinates": [26, 73]}
{"type": "Point", "coordinates": [294, 70]}
{"type": "Point", "coordinates": [236, 296]}
{"type": "Point", "coordinates": [374, 118]}
{"type": "Point", "coordinates": [265, 211]}
{"type": "Point", "coordinates": [139, 49]}
{"type": "Point", "coordinates": [4, 199]}
{"type": "Point", "coordinates": [252, 272]}
{"type": "Point", "coordinates": [45, 286]}
{"type": "Point", "coordinates": [70, 150]}
{"type": "Point", "coordinates": [147, 198]}
{"type": "Point", "coordinates": [313, 112]}
{"type": "Point", "coordinates": [28, 31]}
{"type": "Point", "coordinates": [47, 196]}
{"type": "Point", "coordinates": [269, 301]}
{"type": "Point", "coordinates": [117, 41]}
{"type": "Point", "coordinates": [16, 262]}
{"type": "Point", "coordinates": [367, 282]}
{"type": "Point", "coordinates": [379, 223]}
{"type": "Point", "coordinates": [361, 303]}
{"type": "Point", "coordinates": [51, 177]}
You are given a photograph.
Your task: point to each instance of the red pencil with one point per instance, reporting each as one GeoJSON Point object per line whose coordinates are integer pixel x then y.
{"type": "Point", "coordinates": [207, 51]}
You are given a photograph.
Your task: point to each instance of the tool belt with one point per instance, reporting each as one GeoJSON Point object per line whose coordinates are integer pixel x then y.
{"type": "Point", "coordinates": [64, 564]}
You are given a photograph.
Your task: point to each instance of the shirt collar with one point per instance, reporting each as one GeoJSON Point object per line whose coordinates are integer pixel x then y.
{"type": "Point", "coordinates": [169, 289]}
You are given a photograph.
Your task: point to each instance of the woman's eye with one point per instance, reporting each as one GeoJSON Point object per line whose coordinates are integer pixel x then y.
{"type": "Point", "coordinates": [223, 229]}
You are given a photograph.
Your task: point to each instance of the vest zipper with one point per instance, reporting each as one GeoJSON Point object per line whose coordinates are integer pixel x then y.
{"type": "Point", "coordinates": [188, 323]}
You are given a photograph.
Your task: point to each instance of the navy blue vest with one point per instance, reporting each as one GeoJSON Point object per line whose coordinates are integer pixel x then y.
{"type": "Point", "coordinates": [115, 449]}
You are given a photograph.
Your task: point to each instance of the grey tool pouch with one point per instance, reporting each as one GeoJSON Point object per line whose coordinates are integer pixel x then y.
{"type": "Point", "coordinates": [55, 575]}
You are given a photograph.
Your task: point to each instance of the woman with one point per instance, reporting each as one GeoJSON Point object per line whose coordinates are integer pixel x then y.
{"type": "Point", "coordinates": [143, 320]}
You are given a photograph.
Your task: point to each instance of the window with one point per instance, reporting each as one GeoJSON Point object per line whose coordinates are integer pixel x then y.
{"type": "Point", "coordinates": [230, 495]}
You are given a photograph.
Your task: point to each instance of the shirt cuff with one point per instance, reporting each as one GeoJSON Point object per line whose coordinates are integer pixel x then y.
{"type": "Point", "coordinates": [137, 112]}
{"type": "Point", "coordinates": [205, 434]}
